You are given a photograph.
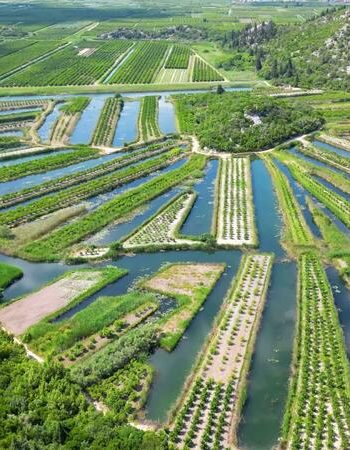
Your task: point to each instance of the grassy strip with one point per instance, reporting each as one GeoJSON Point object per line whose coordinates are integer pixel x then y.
{"type": "Point", "coordinates": [188, 305]}
{"type": "Point", "coordinates": [107, 122]}
{"type": "Point", "coordinates": [84, 191]}
{"type": "Point", "coordinates": [75, 105]}
{"type": "Point", "coordinates": [52, 338]}
{"type": "Point", "coordinates": [321, 370]}
{"type": "Point", "coordinates": [50, 163]}
{"type": "Point", "coordinates": [84, 175]}
{"type": "Point", "coordinates": [331, 158]}
{"type": "Point", "coordinates": [53, 246]}
{"type": "Point", "coordinates": [148, 120]}
{"type": "Point", "coordinates": [337, 242]}
{"type": "Point", "coordinates": [116, 355]}
{"type": "Point", "coordinates": [18, 117]}
{"type": "Point", "coordinates": [333, 201]}
{"type": "Point", "coordinates": [8, 275]}
{"type": "Point", "coordinates": [296, 230]}
{"type": "Point", "coordinates": [338, 180]}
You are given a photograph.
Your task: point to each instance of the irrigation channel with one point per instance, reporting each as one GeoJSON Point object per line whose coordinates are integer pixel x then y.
{"type": "Point", "coordinates": [270, 369]}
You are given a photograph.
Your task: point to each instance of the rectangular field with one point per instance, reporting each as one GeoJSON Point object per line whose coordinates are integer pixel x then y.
{"type": "Point", "coordinates": [72, 66]}
{"type": "Point", "coordinates": [235, 212]}
{"type": "Point", "coordinates": [208, 415]}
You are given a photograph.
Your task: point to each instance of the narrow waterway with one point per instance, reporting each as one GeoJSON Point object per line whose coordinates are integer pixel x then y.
{"type": "Point", "coordinates": [85, 127]}
{"type": "Point", "coordinates": [332, 148]}
{"type": "Point", "coordinates": [127, 126]}
{"type": "Point", "coordinates": [44, 131]}
{"type": "Point", "coordinates": [199, 220]}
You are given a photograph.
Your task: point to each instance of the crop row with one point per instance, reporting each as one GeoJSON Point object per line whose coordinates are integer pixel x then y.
{"type": "Point", "coordinates": [142, 66]}
{"type": "Point", "coordinates": [83, 191]}
{"type": "Point", "coordinates": [84, 175]}
{"type": "Point", "coordinates": [161, 230]}
{"type": "Point", "coordinates": [179, 57]}
{"type": "Point", "coordinates": [327, 156]}
{"type": "Point", "coordinates": [22, 104]}
{"type": "Point", "coordinates": [235, 212]}
{"type": "Point", "coordinates": [148, 121]}
{"type": "Point", "coordinates": [67, 67]}
{"type": "Point", "coordinates": [331, 199]}
{"type": "Point", "coordinates": [339, 180]}
{"type": "Point", "coordinates": [208, 417]}
{"type": "Point", "coordinates": [107, 122]}
{"type": "Point", "coordinates": [18, 117]}
{"type": "Point", "coordinates": [17, 59]}
{"type": "Point", "coordinates": [318, 409]}
{"type": "Point", "coordinates": [52, 246]}
{"type": "Point", "coordinates": [203, 72]}
{"type": "Point", "coordinates": [296, 228]}
{"type": "Point", "coordinates": [50, 163]}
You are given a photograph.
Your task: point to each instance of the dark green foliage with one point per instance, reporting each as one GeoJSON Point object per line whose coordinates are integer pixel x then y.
{"type": "Point", "coordinates": [226, 122]}
{"type": "Point", "coordinates": [41, 407]}
{"type": "Point", "coordinates": [116, 355]}
{"type": "Point", "coordinates": [312, 54]}
{"type": "Point", "coordinates": [8, 274]}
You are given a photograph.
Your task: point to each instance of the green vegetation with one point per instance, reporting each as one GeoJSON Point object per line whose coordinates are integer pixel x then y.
{"type": "Point", "coordinates": [16, 60]}
{"type": "Point", "coordinates": [190, 284]}
{"type": "Point", "coordinates": [203, 72]}
{"type": "Point", "coordinates": [85, 190]}
{"type": "Point", "coordinates": [296, 230]}
{"type": "Point", "coordinates": [148, 121]}
{"type": "Point", "coordinates": [8, 275]}
{"type": "Point", "coordinates": [107, 122]}
{"type": "Point", "coordinates": [71, 66]}
{"type": "Point", "coordinates": [235, 221]}
{"type": "Point", "coordinates": [9, 142]}
{"type": "Point", "coordinates": [332, 200]}
{"type": "Point", "coordinates": [209, 410]}
{"type": "Point", "coordinates": [50, 163]}
{"type": "Point", "coordinates": [55, 410]}
{"type": "Point", "coordinates": [126, 390]}
{"type": "Point", "coordinates": [161, 229]}
{"type": "Point", "coordinates": [337, 179]}
{"type": "Point", "coordinates": [117, 354]}
{"type": "Point", "coordinates": [84, 175]}
{"type": "Point", "coordinates": [319, 394]}
{"type": "Point", "coordinates": [337, 243]}
{"type": "Point", "coordinates": [142, 66]}
{"type": "Point", "coordinates": [75, 105]}
{"type": "Point", "coordinates": [304, 55]}
{"type": "Point", "coordinates": [179, 57]}
{"type": "Point", "coordinates": [47, 337]}
{"type": "Point", "coordinates": [327, 156]}
{"type": "Point", "coordinates": [52, 246]}
{"type": "Point", "coordinates": [18, 117]}
{"type": "Point", "coordinates": [243, 122]}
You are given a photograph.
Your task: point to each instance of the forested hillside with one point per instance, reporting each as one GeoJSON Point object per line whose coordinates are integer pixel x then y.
{"type": "Point", "coordinates": [315, 53]}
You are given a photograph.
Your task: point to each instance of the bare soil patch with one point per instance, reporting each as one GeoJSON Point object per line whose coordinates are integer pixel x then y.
{"type": "Point", "coordinates": [184, 279]}
{"type": "Point", "coordinates": [20, 315]}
